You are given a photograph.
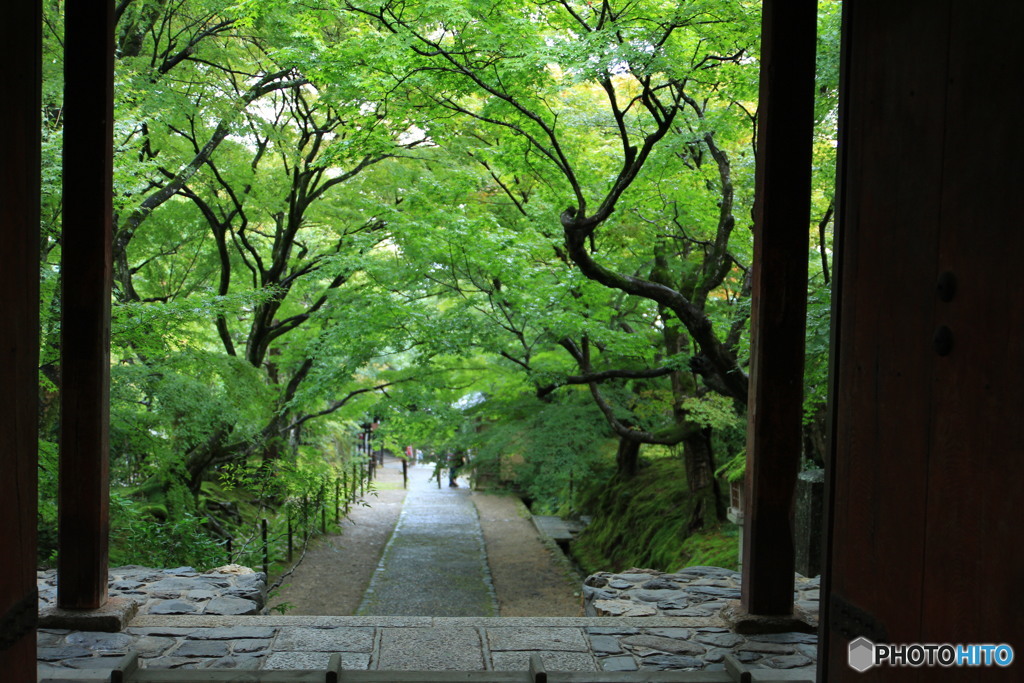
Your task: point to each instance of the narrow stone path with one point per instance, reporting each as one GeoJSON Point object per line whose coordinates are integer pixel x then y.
{"type": "Point", "coordinates": [435, 563]}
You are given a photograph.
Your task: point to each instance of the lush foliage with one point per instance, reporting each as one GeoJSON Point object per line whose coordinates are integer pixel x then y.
{"type": "Point", "coordinates": [517, 230]}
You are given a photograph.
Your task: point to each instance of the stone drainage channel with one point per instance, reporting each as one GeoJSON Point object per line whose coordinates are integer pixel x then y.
{"type": "Point", "coordinates": [435, 564]}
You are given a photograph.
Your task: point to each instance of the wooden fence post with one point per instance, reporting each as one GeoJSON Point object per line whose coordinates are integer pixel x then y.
{"type": "Point", "coordinates": [266, 550]}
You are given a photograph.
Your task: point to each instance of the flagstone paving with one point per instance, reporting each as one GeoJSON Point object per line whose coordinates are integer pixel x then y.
{"type": "Point", "coordinates": [699, 641]}
{"type": "Point", "coordinates": [430, 607]}
{"type": "Point", "coordinates": [425, 643]}
{"type": "Point", "coordinates": [435, 563]}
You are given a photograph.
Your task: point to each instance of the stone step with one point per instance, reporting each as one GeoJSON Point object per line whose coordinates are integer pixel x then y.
{"type": "Point", "coordinates": [554, 528]}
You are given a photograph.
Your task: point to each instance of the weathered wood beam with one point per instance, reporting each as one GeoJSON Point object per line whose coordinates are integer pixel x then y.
{"type": "Point", "coordinates": [85, 304]}
{"type": "Point", "coordinates": [20, 41]}
{"type": "Point", "coordinates": [781, 225]}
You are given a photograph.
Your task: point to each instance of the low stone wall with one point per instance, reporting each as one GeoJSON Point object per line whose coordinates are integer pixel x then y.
{"type": "Point", "coordinates": [228, 590]}
{"type": "Point", "coordinates": [690, 596]}
{"type": "Point", "coordinates": [690, 592]}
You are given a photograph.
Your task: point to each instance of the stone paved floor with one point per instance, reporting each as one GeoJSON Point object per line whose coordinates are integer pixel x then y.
{"type": "Point", "coordinates": [639, 620]}
{"type": "Point", "coordinates": [435, 563]}
{"type": "Point", "coordinates": [676, 626]}
{"type": "Point", "coordinates": [425, 643]}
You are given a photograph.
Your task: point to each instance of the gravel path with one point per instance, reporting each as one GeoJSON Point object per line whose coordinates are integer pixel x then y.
{"type": "Point", "coordinates": [528, 578]}
{"type": "Point", "coordinates": [531, 578]}
{"type": "Point", "coordinates": [337, 568]}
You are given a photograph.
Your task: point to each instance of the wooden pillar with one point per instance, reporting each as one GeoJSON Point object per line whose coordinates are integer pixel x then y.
{"type": "Point", "coordinates": [85, 305]}
{"type": "Point", "coordinates": [782, 221]}
{"type": "Point", "coordinates": [20, 40]}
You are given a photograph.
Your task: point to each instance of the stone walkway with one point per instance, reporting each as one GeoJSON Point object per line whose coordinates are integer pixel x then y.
{"type": "Point", "coordinates": [423, 643]}
{"type": "Point", "coordinates": [654, 642]}
{"type": "Point", "coordinates": [435, 563]}
{"type": "Point", "coordinates": [638, 620]}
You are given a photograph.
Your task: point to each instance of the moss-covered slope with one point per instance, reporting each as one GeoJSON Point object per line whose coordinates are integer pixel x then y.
{"type": "Point", "coordinates": [645, 522]}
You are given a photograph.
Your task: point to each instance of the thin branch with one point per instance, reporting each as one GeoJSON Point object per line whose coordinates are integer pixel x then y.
{"type": "Point", "coordinates": [338, 405]}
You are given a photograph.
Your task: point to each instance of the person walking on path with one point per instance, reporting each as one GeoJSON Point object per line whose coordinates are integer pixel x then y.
{"type": "Point", "coordinates": [455, 463]}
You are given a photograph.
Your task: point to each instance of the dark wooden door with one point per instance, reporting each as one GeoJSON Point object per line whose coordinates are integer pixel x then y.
{"type": "Point", "coordinates": [927, 482]}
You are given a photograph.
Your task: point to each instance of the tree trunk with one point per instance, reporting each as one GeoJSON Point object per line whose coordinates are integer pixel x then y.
{"type": "Point", "coordinates": [199, 459]}
{"type": "Point", "coordinates": [699, 460]}
{"type": "Point", "coordinates": [628, 458]}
